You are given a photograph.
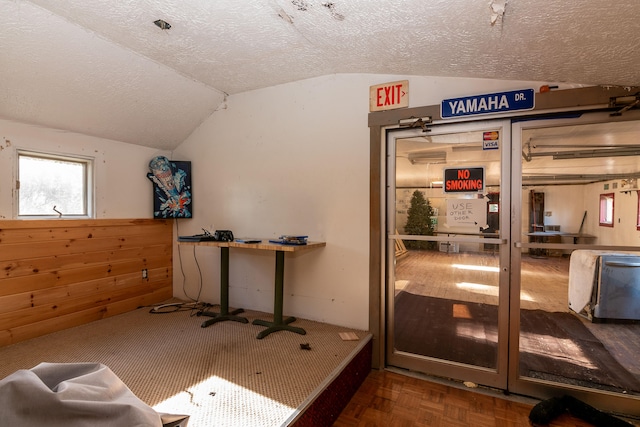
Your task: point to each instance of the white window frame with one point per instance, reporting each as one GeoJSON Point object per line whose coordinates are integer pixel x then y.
{"type": "Point", "coordinates": [89, 199]}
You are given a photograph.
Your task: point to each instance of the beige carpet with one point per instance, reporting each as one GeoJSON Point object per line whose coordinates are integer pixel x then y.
{"type": "Point", "coordinates": [220, 375]}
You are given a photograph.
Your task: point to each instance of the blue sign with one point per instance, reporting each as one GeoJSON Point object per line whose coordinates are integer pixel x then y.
{"type": "Point", "coordinates": [500, 102]}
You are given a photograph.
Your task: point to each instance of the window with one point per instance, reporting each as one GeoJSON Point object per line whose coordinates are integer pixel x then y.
{"type": "Point", "coordinates": [53, 186]}
{"type": "Point", "coordinates": [606, 210]}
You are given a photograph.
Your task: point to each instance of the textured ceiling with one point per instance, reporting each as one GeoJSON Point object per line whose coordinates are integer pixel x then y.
{"type": "Point", "coordinates": [102, 68]}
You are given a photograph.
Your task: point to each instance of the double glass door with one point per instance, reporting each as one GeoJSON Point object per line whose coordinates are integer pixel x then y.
{"type": "Point", "coordinates": [490, 225]}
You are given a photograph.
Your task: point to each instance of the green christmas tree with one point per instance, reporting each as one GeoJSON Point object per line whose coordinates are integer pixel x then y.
{"type": "Point", "coordinates": [419, 222]}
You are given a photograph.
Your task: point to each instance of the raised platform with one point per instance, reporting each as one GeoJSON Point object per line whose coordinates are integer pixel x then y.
{"type": "Point", "coordinates": [221, 375]}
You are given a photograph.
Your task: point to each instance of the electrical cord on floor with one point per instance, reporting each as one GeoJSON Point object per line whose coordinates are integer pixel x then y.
{"type": "Point", "coordinates": [174, 307]}
{"type": "Point", "coordinates": [196, 307]}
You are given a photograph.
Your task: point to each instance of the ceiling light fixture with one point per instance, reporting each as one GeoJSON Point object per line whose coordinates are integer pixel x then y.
{"type": "Point", "coordinates": [549, 178]}
{"type": "Point", "coordinates": [428, 157]}
{"type": "Point", "coordinates": [610, 151]}
{"type": "Point", "coordinates": [588, 154]}
{"type": "Point", "coordinates": [163, 25]}
{"type": "Point", "coordinates": [456, 148]}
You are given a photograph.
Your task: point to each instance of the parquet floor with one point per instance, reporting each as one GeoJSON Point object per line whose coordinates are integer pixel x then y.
{"type": "Point", "coordinates": [394, 399]}
{"type": "Point", "coordinates": [390, 399]}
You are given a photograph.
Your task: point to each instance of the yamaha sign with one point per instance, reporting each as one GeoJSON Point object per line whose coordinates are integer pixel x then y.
{"type": "Point", "coordinates": [500, 102]}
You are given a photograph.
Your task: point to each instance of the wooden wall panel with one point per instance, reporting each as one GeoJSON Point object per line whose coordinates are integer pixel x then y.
{"type": "Point", "coordinates": [56, 274]}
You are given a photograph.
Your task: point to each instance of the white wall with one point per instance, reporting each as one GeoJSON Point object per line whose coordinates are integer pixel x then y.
{"type": "Point", "coordinates": [568, 203]}
{"type": "Point", "coordinates": [625, 209]}
{"type": "Point", "coordinates": [290, 159]}
{"type": "Point", "coordinates": [294, 159]}
{"type": "Point", "coordinates": [122, 188]}
{"type": "Point", "coordinates": [565, 204]}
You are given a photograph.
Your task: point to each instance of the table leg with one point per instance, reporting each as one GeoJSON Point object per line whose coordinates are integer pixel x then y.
{"type": "Point", "coordinates": [278, 323]}
{"type": "Point", "coordinates": [224, 313]}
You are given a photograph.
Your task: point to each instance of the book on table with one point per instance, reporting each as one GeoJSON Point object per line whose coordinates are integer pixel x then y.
{"type": "Point", "coordinates": [248, 240]}
{"type": "Point", "coordinates": [290, 240]}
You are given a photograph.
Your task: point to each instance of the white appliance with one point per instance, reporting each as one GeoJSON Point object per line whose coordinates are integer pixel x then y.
{"type": "Point", "coordinates": [605, 286]}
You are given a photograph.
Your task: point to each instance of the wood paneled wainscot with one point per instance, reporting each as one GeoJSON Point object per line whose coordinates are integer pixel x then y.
{"type": "Point", "coordinates": [55, 274]}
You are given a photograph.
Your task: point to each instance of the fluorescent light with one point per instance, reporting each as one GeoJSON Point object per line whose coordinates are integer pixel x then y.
{"type": "Point", "coordinates": [617, 151]}
{"type": "Point", "coordinates": [428, 157]}
{"type": "Point", "coordinates": [466, 148]}
{"type": "Point", "coordinates": [587, 154]}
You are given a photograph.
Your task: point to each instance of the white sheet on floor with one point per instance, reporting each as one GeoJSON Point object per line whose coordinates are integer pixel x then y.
{"type": "Point", "coordinates": [71, 394]}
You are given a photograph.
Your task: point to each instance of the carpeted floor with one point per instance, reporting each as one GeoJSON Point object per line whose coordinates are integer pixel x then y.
{"type": "Point", "coordinates": [554, 345]}
{"type": "Point", "coordinates": [220, 375]}
{"type": "Point", "coordinates": [427, 326]}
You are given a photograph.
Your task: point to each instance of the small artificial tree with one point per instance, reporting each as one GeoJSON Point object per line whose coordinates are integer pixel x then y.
{"type": "Point", "coordinates": [419, 221]}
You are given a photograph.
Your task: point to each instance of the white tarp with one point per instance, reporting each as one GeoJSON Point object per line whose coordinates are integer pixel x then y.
{"type": "Point", "coordinates": [71, 395]}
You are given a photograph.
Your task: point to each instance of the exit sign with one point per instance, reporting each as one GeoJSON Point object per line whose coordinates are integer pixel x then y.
{"type": "Point", "coordinates": [389, 96]}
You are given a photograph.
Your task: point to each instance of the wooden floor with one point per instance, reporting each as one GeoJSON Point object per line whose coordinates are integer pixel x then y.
{"type": "Point", "coordinates": [437, 274]}
{"type": "Point", "coordinates": [544, 286]}
{"type": "Point", "coordinates": [391, 399]}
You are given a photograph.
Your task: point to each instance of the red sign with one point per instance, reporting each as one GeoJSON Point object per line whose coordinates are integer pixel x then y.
{"type": "Point", "coordinates": [464, 180]}
{"type": "Point", "coordinates": [389, 96]}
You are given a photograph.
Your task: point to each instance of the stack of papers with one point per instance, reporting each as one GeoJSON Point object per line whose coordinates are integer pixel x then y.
{"type": "Point", "coordinates": [290, 240]}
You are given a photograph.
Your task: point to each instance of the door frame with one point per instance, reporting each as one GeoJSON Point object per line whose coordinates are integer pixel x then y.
{"type": "Point", "coordinates": [578, 100]}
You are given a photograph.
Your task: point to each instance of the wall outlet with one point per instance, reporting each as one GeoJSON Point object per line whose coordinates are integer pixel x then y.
{"type": "Point", "coordinates": [144, 273]}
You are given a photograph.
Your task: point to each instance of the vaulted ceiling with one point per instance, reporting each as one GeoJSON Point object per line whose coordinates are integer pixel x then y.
{"type": "Point", "coordinates": [104, 68]}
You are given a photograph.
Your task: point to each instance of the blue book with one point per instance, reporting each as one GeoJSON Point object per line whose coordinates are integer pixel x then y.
{"type": "Point", "coordinates": [248, 240]}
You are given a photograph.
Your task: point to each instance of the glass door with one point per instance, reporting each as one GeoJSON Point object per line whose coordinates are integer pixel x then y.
{"type": "Point", "coordinates": [513, 255]}
{"type": "Point", "coordinates": [448, 252]}
{"type": "Point", "coordinates": [576, 259]}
